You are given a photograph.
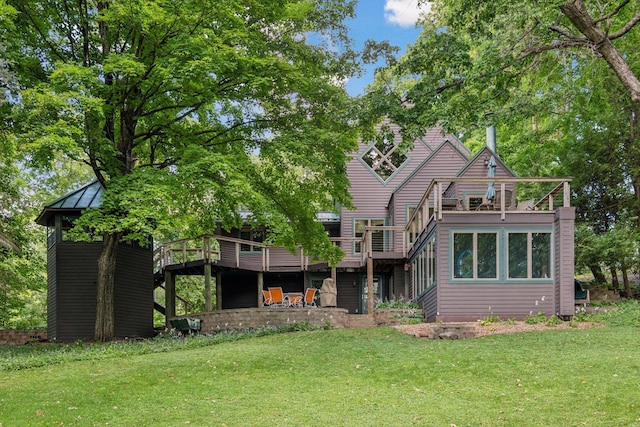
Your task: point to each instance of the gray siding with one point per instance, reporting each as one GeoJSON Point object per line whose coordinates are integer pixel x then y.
{"type": "Point", "coordinates": [73, 291]}
{"type": "Point", "coordinates": [52, 313]}
{"type": "Point", "coordinates": [565, 261]}
{"type": "Point", "coordinates": [371, 196]}
{"type": "Point", "coordinates": [473, 301]}
{"type": "Point", "coordinates": [443, 162]}
{"type": "Point", "coordinates": [348, 288]}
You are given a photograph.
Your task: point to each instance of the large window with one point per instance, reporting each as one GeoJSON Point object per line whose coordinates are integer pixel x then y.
{"type": "Point", "coordinates": [475, 255]}
{"type": "Point", "coordinates": [384, 158]}
{"type": "Point", "coordinates": [377, 236]}
{"type": "Point", "coordinates": [529, 255]}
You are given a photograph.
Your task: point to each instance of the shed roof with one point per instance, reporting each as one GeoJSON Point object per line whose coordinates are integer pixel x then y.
{"type": "Point", "coordinates": [87, 196]}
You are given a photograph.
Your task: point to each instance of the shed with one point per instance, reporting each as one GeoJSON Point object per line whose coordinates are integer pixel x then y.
{"type": "Point", "coordinates": [72, 275]}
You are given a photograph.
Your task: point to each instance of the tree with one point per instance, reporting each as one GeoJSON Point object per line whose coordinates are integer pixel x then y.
{"type": "Point", "coordinates": [557, 78]}
{"type": "Point", "coordinates": [187, 111]}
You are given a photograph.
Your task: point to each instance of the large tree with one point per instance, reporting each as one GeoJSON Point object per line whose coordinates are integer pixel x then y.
{"type": "Point", "coordinates": [559, 80]}
{"type": "Point", "coordinates": [188, 111]}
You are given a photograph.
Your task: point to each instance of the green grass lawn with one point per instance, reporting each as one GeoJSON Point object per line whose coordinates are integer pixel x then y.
{"type": "Point", "coordinates": [357, 377]}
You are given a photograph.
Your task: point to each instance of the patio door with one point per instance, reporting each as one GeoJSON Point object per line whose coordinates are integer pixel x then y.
{"type": "Point", "coordinates": [364, 292]}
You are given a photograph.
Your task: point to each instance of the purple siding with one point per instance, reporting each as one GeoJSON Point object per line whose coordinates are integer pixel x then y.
{"type": "Point", "coordinates": [372, 197]}
{"type": "Point", "coordinates": [472, 301]}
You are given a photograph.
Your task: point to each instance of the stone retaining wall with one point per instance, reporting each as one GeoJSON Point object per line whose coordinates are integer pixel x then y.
{"type": "Point", "coordinates": [22, 336]}
{"type": "Point", "coordinates": [245, 318]}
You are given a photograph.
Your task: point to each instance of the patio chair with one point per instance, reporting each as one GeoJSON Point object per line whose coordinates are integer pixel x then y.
{"type": "Point", "coordinates": [267, 298]}
{"type": "Point", "coordinates": [309, 295]}
{"type": "Point", "coordinates": [277, 298]}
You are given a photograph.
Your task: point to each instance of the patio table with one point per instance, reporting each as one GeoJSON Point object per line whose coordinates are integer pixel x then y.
{"type": "Point", "coordinates": [294, 298]}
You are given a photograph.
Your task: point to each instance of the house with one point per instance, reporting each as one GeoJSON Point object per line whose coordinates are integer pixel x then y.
{"type": "Point", "coordinates": [459, 234]}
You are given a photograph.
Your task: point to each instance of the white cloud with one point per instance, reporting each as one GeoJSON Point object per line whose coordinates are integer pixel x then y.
{"type": "Point", "coordinates": [405, 13]}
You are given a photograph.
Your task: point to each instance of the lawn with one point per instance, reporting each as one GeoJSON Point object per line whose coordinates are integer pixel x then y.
{"type": "Point", "coordinates": [357, 377]}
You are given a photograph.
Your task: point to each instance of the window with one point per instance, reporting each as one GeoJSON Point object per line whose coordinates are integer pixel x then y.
{"type": "Point", "coordinates": [475, 255]}
{"type": "Point", "coordinates": [424, 268]}
{"type": "Point", "coordinates": [384, 158]}
{"type": "Point", "coordinates": [253, 236]}
{"type": "Point", "coordinates": [377, 236]}
{"type": "Point", "coordinates": [529, 255]}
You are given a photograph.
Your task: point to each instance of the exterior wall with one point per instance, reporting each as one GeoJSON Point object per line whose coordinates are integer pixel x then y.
{"type": "Point", "coordinates": [449, 301]}
{"type": "Point", "coordinates": [477, 168]}
{"type": "Point", "coordinates": [52, 305]}
{"type": "Point", "coordinates": [565, 261]}
{"type": "Point", "coordinates": [371, 196]}
{"type": "Point", "coordinates": [240, 288]}
{"type": "Point", "coordinates": [348, 288]}
{"type": "Point", "coordinates": [444, 162]}
{"type": "Point", "coordinates": [73, 290]}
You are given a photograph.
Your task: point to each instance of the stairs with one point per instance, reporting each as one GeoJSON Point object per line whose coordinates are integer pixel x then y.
{"type": "Point", "coordinates": [361, 321]}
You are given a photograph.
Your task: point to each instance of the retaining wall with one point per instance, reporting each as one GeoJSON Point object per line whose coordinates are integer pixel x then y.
{"type": "Point", "coordinates": [245, 318]}
{"type": "Point", "coordinates": [22, 336]}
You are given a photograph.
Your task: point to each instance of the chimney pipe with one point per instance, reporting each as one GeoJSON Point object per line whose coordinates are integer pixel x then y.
{"type": "Point", "coordinates": [491, 138]}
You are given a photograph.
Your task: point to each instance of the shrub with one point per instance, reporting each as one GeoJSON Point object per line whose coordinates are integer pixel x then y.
{"type": "Point", "coordinates": [534, 319]}
{"type": "Point", "coordinates": [485, 321]}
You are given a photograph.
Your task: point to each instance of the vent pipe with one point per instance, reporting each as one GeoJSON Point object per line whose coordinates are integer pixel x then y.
{"type": "Point", "coordinates": [491, 138]}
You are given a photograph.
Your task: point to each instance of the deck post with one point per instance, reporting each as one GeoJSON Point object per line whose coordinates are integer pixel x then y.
{"type": "Point", "coordinates": [207, 286]}
{"type": "Point", "coordinates": [333, 275]}
{"type": "Point", "coordinates": [219, 290]}
{"type": "Point", "coordinates": [370, 285]}
{"type": "Point", "coordinates": [169, 296]}
{"type": "Point", "coordinates": [260, 288]}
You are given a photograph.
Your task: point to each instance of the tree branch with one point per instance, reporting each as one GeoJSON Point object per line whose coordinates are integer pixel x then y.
{"type": "Point", "coordinates": [627, 27]}
{"type": "Point", "coordinates": [614, 12]}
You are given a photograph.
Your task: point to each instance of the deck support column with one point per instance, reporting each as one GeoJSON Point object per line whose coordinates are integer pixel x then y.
{"type": "Point", "coordinates": [219, 290]}
{"type": "Point", "coordinates": [333, 275]}
{"type": "Point", "coordinates": [169, 296]}
{"type": "Point", "coordinates": [207, 287]}
{"type": "Point", "coordinates": [260, 287]}
{"type": "Point", "coordinates": [370, 285]}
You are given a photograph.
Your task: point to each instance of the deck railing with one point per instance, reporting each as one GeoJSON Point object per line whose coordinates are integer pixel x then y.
{"type": "Point", "coordinates": [441, 199]}
{"type": "Point", "coordinates": [216, 248]}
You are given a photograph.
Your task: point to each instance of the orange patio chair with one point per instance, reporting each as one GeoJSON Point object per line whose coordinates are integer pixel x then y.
{"type": "Point", "coordinates": [309, 297]}
{"type": "Point", "coordinates": [267, 298]}
{"type": "Point", "coordinates": [277, 298]}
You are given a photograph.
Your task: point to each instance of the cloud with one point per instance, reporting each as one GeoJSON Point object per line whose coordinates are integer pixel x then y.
{"type": "Point", "coordinates": [404, 13]}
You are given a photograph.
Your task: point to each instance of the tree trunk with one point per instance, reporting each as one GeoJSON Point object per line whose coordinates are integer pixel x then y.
{"type": "Point", "coordinates": [614, 278]}
{"type": "Point", "coordinates": [625, 279]}
{"type": "Point", "coordinates": [105, 323]}
{"type": "Point", "coordinates": [598, 276]}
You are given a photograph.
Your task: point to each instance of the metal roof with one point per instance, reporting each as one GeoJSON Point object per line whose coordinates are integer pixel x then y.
{"type": "Point", "coordinates": [88, 196]}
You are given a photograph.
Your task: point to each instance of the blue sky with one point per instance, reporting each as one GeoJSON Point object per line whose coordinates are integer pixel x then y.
{"type": "Point", "coordinates": [392, 20]}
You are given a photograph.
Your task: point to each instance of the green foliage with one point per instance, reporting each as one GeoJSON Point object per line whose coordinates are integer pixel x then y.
{"type": "Point", "coordinates": [553, 321]}
{"type": "Point", "coordinates": [534, 319]}
{"type": "Point", "coordinates": [189, 112]}
{"type": "Point", "coordinates": [561, 105]}
{"type": "Point", "coordinates": [488, 320]}
{"type": "Point", "coordinates": [397, 304]}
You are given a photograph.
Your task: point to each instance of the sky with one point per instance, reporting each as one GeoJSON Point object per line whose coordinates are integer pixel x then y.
{"type": "Point", "coordinates": [380, 20]}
